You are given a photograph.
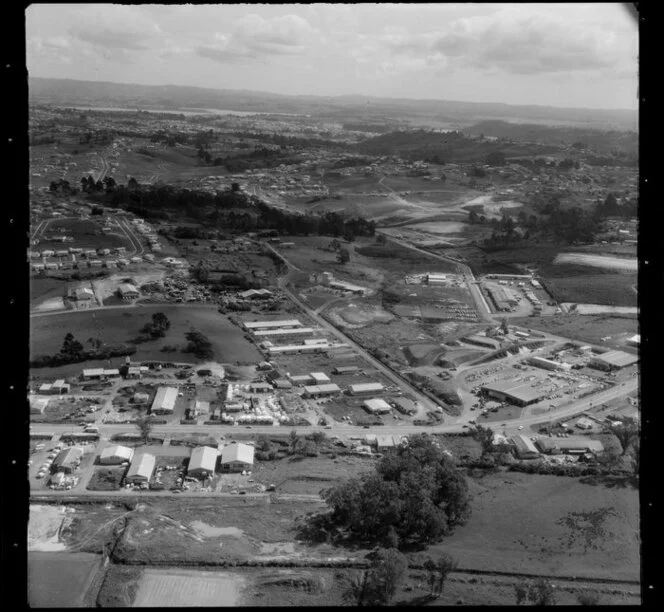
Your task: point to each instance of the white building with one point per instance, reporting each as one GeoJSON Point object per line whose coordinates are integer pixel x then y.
{"type": "Point", "coordinates": [377, 406]}
{"type": "Point", "coordinates": [141, 469]}
{"type": "Point", "coordinates": [203, 462]}
{"type": "Point", "coordinates": [237, 457]}
{"type": "Point", "coordinates": [164, 401]}
{"type": "Point", "coordinates": [364, 388]}
{"type": "Point", "coordinates": [114, 455]}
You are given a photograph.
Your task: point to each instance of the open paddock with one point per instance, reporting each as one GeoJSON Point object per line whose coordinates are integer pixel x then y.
{"type": "Point", "coordinates": [86, 234]}
{"type": "Point", "coordinates": [122, 325]}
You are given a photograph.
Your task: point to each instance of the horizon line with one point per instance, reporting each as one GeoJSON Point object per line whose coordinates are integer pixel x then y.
{"type": "Point", "coordinates": [354, 95]}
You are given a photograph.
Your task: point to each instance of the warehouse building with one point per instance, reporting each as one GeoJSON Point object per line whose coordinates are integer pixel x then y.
{"type": "Point", "coordinates": [300, 380]}
{"type": "Point", "coordinates": [346, 370]}
{"type": "Point", "coordinates": [366, 388]}
{"type": "Point", "coordinates": [164, 400]}
{"type": "Point", "coordinates": [404, 405]}
{"type": "Point", "coordinates": [237, 457]}
{"type": "Point", "coordinates": [298, 331]}
{"type": "Point", "coordinates": [321, 390]}
{"type": "Point", "coordinates": [436, 279]}
{"type": "Point", "coordinates": [524, 447]}
{"type": "Point", "coordinates": [260, 387]}
{"type": "Point", "coordinates": [613, 360]}
{"type": "Point", "coordinates": [320, 378]}
{"type": "Point", "coordinates": [284, 324]}
{"type": "Point", "coordinates": [141, 469]}
{"type": "Point", "coordinates": [67, 460]}
{"type": "Point", "coordinates": [376, 406]}
{"type": "Point", "coordinates": [128, 292]}
{"type": "Point", "coordinates": [38, 404]}
{"type": "Point", "coordinates": [502, 298]}
{"type": "Point", "coordinates": [571, 446]}
{"type": "Point", "coordinates": [199, 407]}
{"type": "Point", "coordinates": [482, 341]}
{"type": "Point", "coordinates": [318, 347]}
{"type": "Point", "coordinates": [115, 455]}
{"type": "Point", "coordinates": [203, 462]}
{"type": "Point", "coordinates": [515, 393]}
{"type": "Point", "coordinates": [548, 364]}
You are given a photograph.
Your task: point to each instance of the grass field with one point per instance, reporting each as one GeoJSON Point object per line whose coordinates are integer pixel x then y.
{"type": "Point", "coordinates": [87, 234]}
{"type": "Point", "coordinates": [607, 289]}
{"type": "Point", "coordinates": [586, 328]}
{"type": "Point", "coordinates": [122, 325]}
{"type": "Point", "coordinates": [45, 288]}
{"type": "Point", "coordinates": [564, 527]}
{"type": "Point", "coordinates": [59, 580]}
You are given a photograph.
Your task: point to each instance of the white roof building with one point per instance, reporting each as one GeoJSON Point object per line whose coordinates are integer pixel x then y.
{"type": "Point", "coordinates": [242, 455]}
{"type": "Point", "coordinates": [38, 404]}
{"type": "Point", "coordinates": [203, 461]}
{"type": "Point", "coordinates": [320, 377]}
{"type": "Point", "coordinates": [141, 468]}
{"type": "Point", "coordinates": [377, 406]}
{"type": "Point", "coordinates": [116, 454]}
{"type": "Point", "coordinates": [366, 388]}
{"type": "Point", "coordinates": [272, 324]}
{"type": "Point", "coordinates": [164, 400]}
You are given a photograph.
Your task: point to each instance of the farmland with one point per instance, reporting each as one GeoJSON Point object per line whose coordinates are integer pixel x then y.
{"type": "Point", "coordinates": [124, 324]}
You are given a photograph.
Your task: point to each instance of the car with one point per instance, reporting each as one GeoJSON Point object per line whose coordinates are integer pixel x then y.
{"type": "Point", "coordinates": [248, 427]}
{"type": "Point", "coordinates": [366, 427]}
{"type": "Point", "coordinates": [520, 427]}
{"type": "Point", "coordinates": [177, 490]}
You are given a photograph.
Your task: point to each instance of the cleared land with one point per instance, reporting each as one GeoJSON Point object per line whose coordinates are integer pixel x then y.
{"type": "Point", "coordinates": [175, 588]}
{"type": "Point", "coordinates": [59, 580]}
{"type": "Point", "coordinates": [123, 325]}
{"type": "Point", "coordinates": [599, 261]}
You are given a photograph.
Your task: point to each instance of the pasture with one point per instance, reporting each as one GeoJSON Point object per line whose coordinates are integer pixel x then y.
{"type": "Point", "coordinates": [87, 234]}
{"type": "Point", "coordinates": [118, 325]}
{"type": "Point", "coordinates": [59, 579]}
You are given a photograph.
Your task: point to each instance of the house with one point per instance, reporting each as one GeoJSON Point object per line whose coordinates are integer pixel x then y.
{"type": "Point", "coordinates": [141, 469]}
{"type": "Point", "coordinates": [384, 443]}
{"type": "Point", "coordinates": [128, 292]}
{"type": "Point", "coordinates": [164, 400]}
{"type": "Point", "coordinates": [202, 462]}
{"type": "Point", "coordinates": [60, 386]}
{"type": "Point", "coordinates": [81, 294]}
{"type": "Point", "coordinates": [376, 406]}
{"type": "Point", "coordinates": [237, 457]}
{"type": "Point", "coordinates": [115, 455]}
{"type": "Point", "coordinates": [67, 460]}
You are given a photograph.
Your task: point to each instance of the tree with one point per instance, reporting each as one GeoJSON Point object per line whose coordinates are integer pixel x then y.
{"type": "Point", "coordinates": [538, 593]}
{"type": "Point", "coordinates": [497, 158]}
{"type": "Point", "coordinates": [293, 440]}
{"type": "Point", "coordinates": [387, 570]}
{"type": "Point", "coordinates": [201, 272]}
{"type": "Point", "coordinates": [144, 425]}
{"type": "Point", "coordinates": [199, 344]}
{"type": "Point", "coordinates": [381, 239]}
{"type": "Point", "coordinates": [588, 599]}
{"type": "Point", "coordinates": [71, 347]}
{"type": "Point", "coordinates": [235, 187]}
{"type": "Point", "coordinates": [484, 435]}
{"type": "Point", "coordinates": [335, 245]}
{"type": "Point", "coordinates": [160, 320]}
{"type": "Point", "coordinates": [504, 327]}
{"type": "Point", "coordinates": [438, 571]}
{"type": "Point", "coordinates": [343, 256]}
{"type": "Point", "coordinates": [627, 433]}
{"type": "Point", "coordinates": [415, 489]}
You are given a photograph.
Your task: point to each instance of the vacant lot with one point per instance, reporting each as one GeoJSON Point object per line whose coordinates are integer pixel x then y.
{"type": "Point", "coordinates": [598, 261]}
{"type": "Point", "coordinates": [586, 328]}
{"type": "Point", "coordinates": [175, 588]}
{"type": "Point", "coordinates": [564, 527]}
{"type": "Point", "coordinates": [123, 325]}
{"type": "Point", "coordinates": [609, 289]}
{"type": "Point", "coordinates": [59, 580]}
{"type": "Point", "coordinates": [106, 479]}
{"type": "Point", "coordinates": [87, 234]}
{"type": "Point", "coordinates": [46, 288]}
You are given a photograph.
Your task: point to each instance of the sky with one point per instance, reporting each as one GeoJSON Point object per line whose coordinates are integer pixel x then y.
{"type": "Point", "coordinates": [565, 55]}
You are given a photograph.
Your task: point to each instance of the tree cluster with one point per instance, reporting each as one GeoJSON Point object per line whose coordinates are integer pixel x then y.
{"type": "Point", "coordinates": [198, 344]}
{"type": "Point", "coordinates": [158, 326]}
{"type": "Point", "coordinates": [72, 351]}
{"type": "Point", "coordinates": [415, 494]}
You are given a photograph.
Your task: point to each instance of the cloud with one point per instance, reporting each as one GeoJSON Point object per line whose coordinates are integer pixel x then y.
{"type": "Point", "coordinates": [255, 37]}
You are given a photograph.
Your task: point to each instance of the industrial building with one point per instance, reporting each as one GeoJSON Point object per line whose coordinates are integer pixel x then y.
{"type": "Point", "coordinates": [365, 388]}
{"type": "Point", "coordinates": [548, 364]}
{"type": "Point", "coordinates": [502, 298]}
{"type": "Point", "coordinates": [317, 347]}
{"type": "Point", "coordinates": [580, 445]}
{"type": "Point", "coordinates": [321, 390]}
{"type": "Point", "coordinates": [99, 373]}
{"type": "Point", "coordinates": [260, 387]}
{"type": "Point", "coordinates": [164, 400]}
{"type": "Point", "coordinates": [320, 378]}
{"type": "Point", "coordinates": [404, 405]}
{"type": "Point", "coordinates": [434, 278]}
{"type": "Point", "coordinates": [237, 457]}
{"type": "Point", "coordinates": [128, 292]}
{"type": "Point", "coordinates": [67, 460]}
{"type": "Point", "coordinates": [516, 393]}
{"type": "Point", "coordinates": [115, 455]}
{"type": "Point", "coordinates": [202, 462]}
{"type": "Point", "coordinates": [298, 331]}
{"type": "Point", "coordinates": [377, 406]}
{"type": "Point", "coordinates": [524, 447]}
{"type": "Point", "coordinates": [38, 404]}
{"type": "Point", "coordinates": [482, 341]}
{"type": "Point", "coordinates": [345, 370]}
{"type": "Point", "coordinates": [58, 387]}
{"type": "Point", "coordinates": [141, 469]}
{"type": "Point", "coordinates": [613, 360]}
{"type": "Point", "coordinates": [300, 380]}
{"type": "Point", "coordinates": [286, 323]}
{"type": "Point", "coordinates": [199, 407]}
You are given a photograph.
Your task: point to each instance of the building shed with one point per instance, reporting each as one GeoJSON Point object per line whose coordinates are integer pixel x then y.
{"type": "Point", "coordinates": [385, 442]}
{"type": "Point", "coordinates": [141, 398]}
{"type": "Point", "coordinates": [297, 331]}
{"type": "Point", "coordinates": [613, 360]}
{"type": "Point", "coordinates": [404, 405]}
{"type": "Point", "coordinates": [321, 390]}
{"type": "Point", "coordinates": [199, 407]}
{"type": "Point", "coordinates": [164, 400]}
{"type": "Point", "coordinates": [377, 406]}
{"type": "Point", "coordinates": [93, 373]}
{"type": "Point", "coordinates": [141, 468]}
{"type": "Point", "coordinates": [67, 460]}
{"type": "Point", "coordinates": [514, 392]}
{"type": "Point", "coordinates": [345, 370]}
{"type": "Point", "coordinates": [237, 457]}
{"type": "Point", "coordinates": [283, 384]}
{"type": "Point", "coordinates": [284, 323]}
{"type": "Point", "coordinates": [576, 445]}
{"type": "Point", "coordinates": [548, 364]}
{"type": "Point", "coordinates": [114, 455]}
{"type": "Point", "coordinates": [300, 380]}
{"type": "Point", "coordinates": [260, 387]}
{"type": "Point", "coordinates": [38, 404]}
{"type": "Point", "coordinates": [203, 462]}
{"type": "Point", "coordinates": [365, 388]}
{"type": "Point", "coordinates": [524, 447]}
{"type": "Point", "coordinates": [634, 340]}
{"type": "Point", "coordinates": [320, 378]}
{"type": "Point", "coordinates": [584, 423]}
{"type": "Point", "coordinates": [127, 291]}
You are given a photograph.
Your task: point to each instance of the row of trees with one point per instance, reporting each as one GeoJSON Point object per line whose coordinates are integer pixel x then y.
{"type": "Point", "coordinates": [72, 351]}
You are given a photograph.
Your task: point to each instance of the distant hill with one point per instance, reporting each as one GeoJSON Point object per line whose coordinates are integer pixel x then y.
{"type": "Point", "coordinates": [340, 108]}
